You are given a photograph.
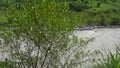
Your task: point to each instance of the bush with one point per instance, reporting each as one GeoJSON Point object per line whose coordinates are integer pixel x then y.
{"type": "Point", "coordinates": [78, 6]}
{"type": "Point", "coordinates": [39, 36]}
{"type": "Point", "coordinates": [115, 21]}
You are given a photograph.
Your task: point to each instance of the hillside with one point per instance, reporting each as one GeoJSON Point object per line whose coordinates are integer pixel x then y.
{"type": "Point", "coordinates": [95, 12]}
{"type": "Point", "coordinates": [82, 12]}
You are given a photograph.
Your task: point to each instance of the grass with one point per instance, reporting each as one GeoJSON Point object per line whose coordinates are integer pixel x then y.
{"type": "Point", "coordinates": [3, 18]}
{"type": "Point", "coordinates": [5, 64]}
{"type": "Point", "coordinates": [112, 60]}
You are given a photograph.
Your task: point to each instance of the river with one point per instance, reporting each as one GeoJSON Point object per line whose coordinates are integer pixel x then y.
{"type": "Point", "coordinates": [104, 39]}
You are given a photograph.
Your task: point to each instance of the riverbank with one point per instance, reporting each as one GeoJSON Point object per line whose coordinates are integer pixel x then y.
{"type": "Point", "coordinates": [94, 27]}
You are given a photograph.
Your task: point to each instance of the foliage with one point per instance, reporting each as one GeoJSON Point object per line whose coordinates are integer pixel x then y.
{"type": "Point", "coordinates": [112, 60]}
{"type": "Point", "coordinates": [85, 12]}
{"type": "Point", "coordinates": [95, 12]}
{"type": "Point", "coordinates": [38, 35]}
{"type": "Point", "coordinates": [37, 32]}
{"type": "Point", "coordinates": [6, 64]}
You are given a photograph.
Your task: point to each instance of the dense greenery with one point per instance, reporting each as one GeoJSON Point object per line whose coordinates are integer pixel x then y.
{"type": "Point", "coordinates": [6, 64]}
{"type": "Point", "coordinates": [39, 34]}
{"type": "Point", "coordinates": [96, 12]}
{"type": "Point", "coordinates": [44, 27]}
{"type": "Point", "coordinates": [86, 12]}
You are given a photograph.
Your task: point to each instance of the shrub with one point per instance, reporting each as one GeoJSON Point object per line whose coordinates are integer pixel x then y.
{"type": "Point", "coordinates": [39, 36]}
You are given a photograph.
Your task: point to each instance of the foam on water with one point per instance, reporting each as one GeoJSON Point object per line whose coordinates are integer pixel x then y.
{"type": "Point", "coordinates": [106, 38]}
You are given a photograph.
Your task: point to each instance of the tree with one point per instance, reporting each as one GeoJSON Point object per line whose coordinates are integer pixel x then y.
{"type": "Point", "coordinates": [39, 36]}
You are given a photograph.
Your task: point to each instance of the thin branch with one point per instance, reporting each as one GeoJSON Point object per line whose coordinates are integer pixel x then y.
{"type": "Point", "coordinates": [37, 57]}
{"type": "Point", "coordinates": [45, 56]}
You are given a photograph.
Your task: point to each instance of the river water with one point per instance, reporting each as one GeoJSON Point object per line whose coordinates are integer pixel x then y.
{"type": "Point", "coordinates": [105, 38]}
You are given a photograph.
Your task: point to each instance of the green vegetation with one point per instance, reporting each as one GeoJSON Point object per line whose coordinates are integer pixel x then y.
{"type": "Point", "coordinates": [111, 61]}
{"type": "Point", "coordinates": [83, 12]}
{"type": "Point", "coordinates": [38, 36]}
{"type": "Point", "coordinates": [43, 29]}
{"type": "Point", "coordinates": [94, 12]}
{"type": "Point", "coordinates": [6, 64]}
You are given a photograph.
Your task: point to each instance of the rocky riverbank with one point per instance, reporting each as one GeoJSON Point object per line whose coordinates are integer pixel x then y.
{"type": "Point", "coordinates": [94, 27]}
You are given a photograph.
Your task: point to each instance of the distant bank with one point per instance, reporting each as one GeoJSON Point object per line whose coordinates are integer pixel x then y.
{"type": "Point", "coordinates": [94, 27]}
